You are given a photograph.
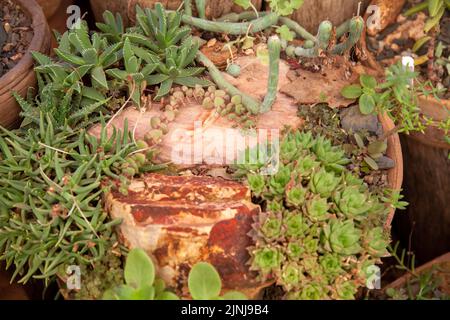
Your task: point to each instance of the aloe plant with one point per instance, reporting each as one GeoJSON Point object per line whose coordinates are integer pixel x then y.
{"type": "Point", "coordinates": [176, 69]}
{"type": "Point", "coordinates": [135, 72]}
{"type": "Point", "coordinates": [162, 28]}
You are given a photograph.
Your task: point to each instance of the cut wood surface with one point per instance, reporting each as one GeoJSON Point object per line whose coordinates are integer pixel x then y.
{"type": "Point", "coordinates": [213, 128]}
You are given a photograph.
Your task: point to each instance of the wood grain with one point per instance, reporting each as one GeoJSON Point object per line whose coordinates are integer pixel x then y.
{"type": "Point", "coordinates": [313, 12]}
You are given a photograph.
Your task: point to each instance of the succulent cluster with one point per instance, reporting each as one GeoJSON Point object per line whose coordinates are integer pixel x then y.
{"type": "Point", "coordinates": [90, 67]}
{"type": "Point", "coordinates": [321, 228]}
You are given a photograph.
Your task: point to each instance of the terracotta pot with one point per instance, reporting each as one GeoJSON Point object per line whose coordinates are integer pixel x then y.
{"type": "Point", "coordinates": [442, 265]}
{"type": "Point", "coordinates": [426, 224]}
{"type": "Point", "coordinates": [49, 7]}
{"type": "Point", "coordinates": [214, 8]}
{"type": "Point", "coordinates": [22, 76]}
{"type": "Point", "coordinates": [313, 12]}
{"type": "Point", "coordinates": [394, 151]}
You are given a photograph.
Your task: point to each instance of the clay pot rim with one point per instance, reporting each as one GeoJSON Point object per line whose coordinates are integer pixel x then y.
{"type": "Point", "coordinates": [394, 151]}
{"type": "Point", "coordinates": [40, 29]}
{"type": "Point", "coordinates": [401, 281]}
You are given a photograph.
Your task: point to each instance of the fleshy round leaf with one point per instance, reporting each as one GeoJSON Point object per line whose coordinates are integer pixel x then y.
{"type": "Point", "coordinates": [234, 295]}
{"type": "Point", "coordinates": [366, 104]}
{"type": "Point", "coordinates": [368, 81]}
{"type": "Point", "coordinates": [352, 91]}
{"type": "Point", "coordinates": [139, 269]}
{"type": "Point", "coordinates": [204, 282]}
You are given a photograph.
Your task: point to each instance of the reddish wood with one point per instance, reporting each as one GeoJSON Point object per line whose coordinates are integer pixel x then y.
{"type": "Point", "coordinates": [22, 76]}
{"type": "Point", "coordinates": [50, 7]}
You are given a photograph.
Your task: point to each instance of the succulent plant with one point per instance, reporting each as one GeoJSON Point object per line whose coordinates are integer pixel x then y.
{"type": "Point", "coordinates": [176, 69]}
{"type": "Point", "coordinates": [163, 29]}
{"type": "Point", "coordinates": [321, 227]}
{"type": "Point", "coordinates": [341, 237]}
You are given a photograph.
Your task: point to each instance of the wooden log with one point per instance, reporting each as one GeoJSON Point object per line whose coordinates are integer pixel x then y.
{"type": "Point", "coordinates": [182, 220]}
{"type": "Point", "coordinates": [313, 12]}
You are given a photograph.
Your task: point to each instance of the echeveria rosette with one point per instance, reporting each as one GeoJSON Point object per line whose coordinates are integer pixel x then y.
{"type": "Point", "coordinates": [295, 196]}
{"type": "Point", "coordinates": [294, 251]}
{"type": "Point", "coordinates": [304, 140]}
{"type": "Point", "coordinates": [331, 264]}
{"type": "Point", "coordinates": [324, 183]}
{"type": "Point", "coordinates": [332, 157]}
{"type": "Point", "coordinates": [275, 206]}
{"type": "Point", "coordinates": [256, 183]}
{"type": "Point", "coordinates": [306, 164]}
{"type": "Point", "coordinates": [317, 208]}
{"type": "Point", "coordinates": [295, 225]}
{"type": "Point", "coordinates": [311, 244]}
{"type": "Point", "coordinates": [331, 224]}
{"type": "Point", "coordinates": [266, 260]}
{"type": "Point", "coordinates": [310, 291]}
{"type": "Point", "coordinates": [341, 237]}
{"type": "Point", "coordinates": [290, 276]}
{"type": "Point", "coordinates": [279, 181]}
{"type": "Point", "coordinates": [312, 267]}
{"type": "Point", "coordinates": [271, 226]}
{"type": "Point", "coordinates": [289, 150]}
{"type": "Point", "coordinates": [377, 241]}
{"type": "Point", "coordinates": [353, 203]}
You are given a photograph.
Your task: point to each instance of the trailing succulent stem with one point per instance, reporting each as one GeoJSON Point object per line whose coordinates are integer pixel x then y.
{"type": "Point", "coordinates": [274, 46]}
{"type": "Point", "coordinates": [356, 27]}
{"type": "Point", "coordinates": [235, 28]}
{"type": "Point", "coordinates": [298, 29]}
{"type": "Point", "coordinates": [315, 45]}
{"type": "Point", "coordinates": [236, 17]}
{"type": "Point", "coordinates": [251, 104]}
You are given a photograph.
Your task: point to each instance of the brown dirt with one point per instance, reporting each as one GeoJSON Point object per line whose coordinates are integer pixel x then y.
{"type": "Point", "coordinates": [16, 34]}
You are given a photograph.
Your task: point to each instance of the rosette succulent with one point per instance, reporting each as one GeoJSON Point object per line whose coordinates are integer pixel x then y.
{"type": "Point", "coordinates": [322, 226]}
